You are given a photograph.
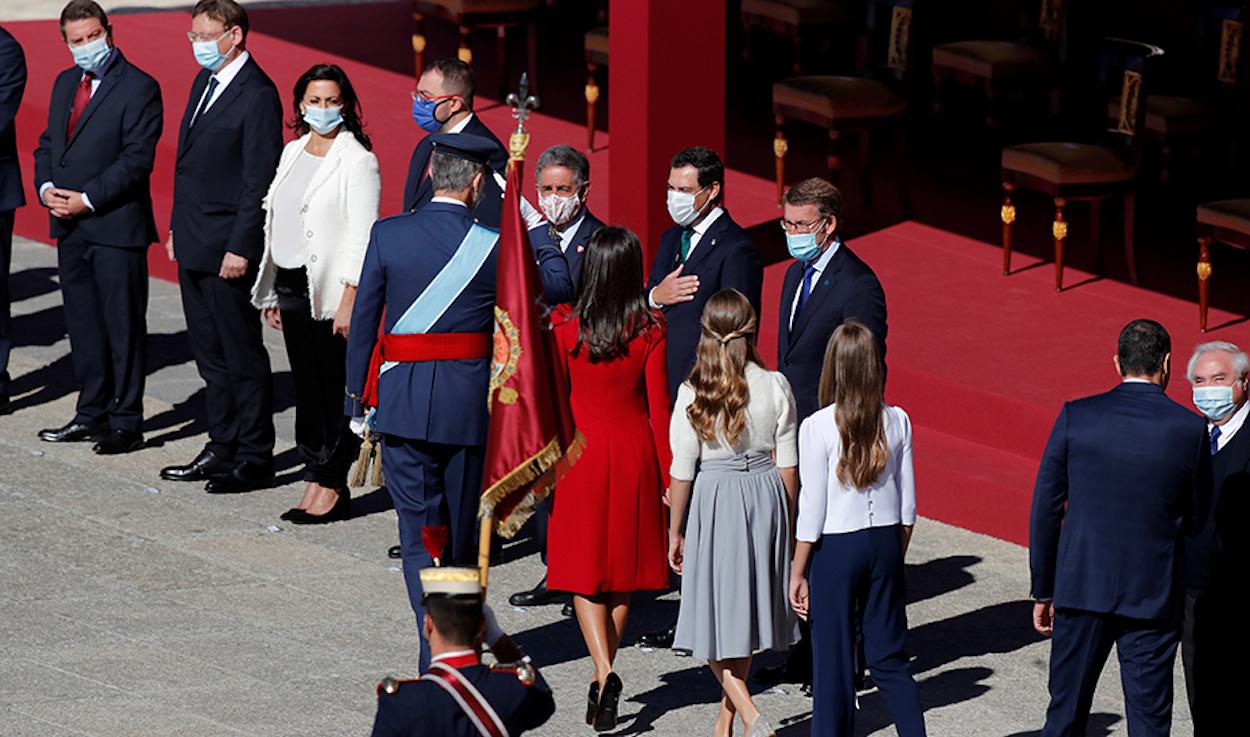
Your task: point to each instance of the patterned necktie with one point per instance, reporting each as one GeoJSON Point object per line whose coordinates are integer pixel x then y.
{"type": "Point", "coordinates": [208, 96]}
{"type": "Point", "coordinates": [686, 235]}
{"type": "Point", "coordinates": [81, 98]}
{"type": "Point", "coordinates": [1215, 439]}
{"type": "Point", "coordinates": [805, 291]}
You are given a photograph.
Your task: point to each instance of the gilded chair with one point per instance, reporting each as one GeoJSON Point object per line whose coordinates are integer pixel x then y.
{"type": "Point", "coordinates": [469, 14]}
{"type": "Point", "coordinates": [858, 105]}
{"type": "Point", "coordinates": [1085, 172]}
{"type": "Point", "coordinates": [596, 57]}
{"type": "Point", "coordinates": [1212, 93]}
{"type": "Point", "coordinates": [791, 19]}
{"type": "Point", "coordinates": [1226, 221]}
{"type": "Point", "coordinates": [998, 67]}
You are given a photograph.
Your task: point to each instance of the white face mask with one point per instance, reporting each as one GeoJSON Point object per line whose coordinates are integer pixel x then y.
{"type": "Point", "coordinates": [681, 207]}
{"type": "Point", "coordinates": [559, 210]}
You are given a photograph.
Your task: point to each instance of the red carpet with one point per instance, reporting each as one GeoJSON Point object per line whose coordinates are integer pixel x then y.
{"type": "Point", "coordinates": [982, 362]}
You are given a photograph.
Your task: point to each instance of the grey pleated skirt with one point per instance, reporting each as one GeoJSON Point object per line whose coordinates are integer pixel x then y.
{"type": "Point", "coordinates": [736, 567]}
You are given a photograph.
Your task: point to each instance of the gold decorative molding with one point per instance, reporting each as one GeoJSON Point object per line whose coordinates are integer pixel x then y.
{"type": "Point", "coordinates": [1230, 51]}
{"type": "Point", "coordinates": [1130, 98]}
{"type": "Point", "coordinates": [418, 43]}
{"type": "Point", "coordinates": [1204, 270]}
{"type": "Point", "coordinates": [1008, 214]}
{"type": "Point", "coordinates": [900, 34]}
{"type": "Point", "coordinates": [780, 147]}
{"type": "Point", "coordinates": [592, 93]}
{"type": "Point", "coordinates": [1059, 229]}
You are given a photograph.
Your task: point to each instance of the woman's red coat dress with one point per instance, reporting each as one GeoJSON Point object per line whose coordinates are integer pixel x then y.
{"type": "Point", "coordinates": [609, 525]}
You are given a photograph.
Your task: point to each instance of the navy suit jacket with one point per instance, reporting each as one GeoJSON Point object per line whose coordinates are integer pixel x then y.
{"type": "Point", "coordinates": [418, 189]}
{"type": "Point", "coordinates": [224, 168]}
{"type": "Point", "coordinates": [1217, 554]}
{"type": "Point", "coordinates": [544, 235]}
{"type": "Point", "coordinates": [423, 709]}
{"type": "Point", "coordinates": [437, 401]}
{"type": "Point", "coordinates": [1126, 475]}
{"type": "Point", "coordinates": [109, 156]}
{"type": "Point", "coordinates": [725, 258]}
{"type": "Point", "coordinates": [847, 290]}
{"type": "Point", "coordinates": [12, 84]}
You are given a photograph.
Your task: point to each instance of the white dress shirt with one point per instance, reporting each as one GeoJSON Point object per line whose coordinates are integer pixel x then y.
{"type": "Point", "coordinates": [96, 78]}
{"type": "Point", "coordinates": [567, 232]}
{"type": "Point", "coordinates": [827, 506]}
{"type": "Point", "coordinates": [224, 77]}
{"type": "Point", "coordinates": [1230, 428]}
{"type": "Point", "coordinates": [822, 262]}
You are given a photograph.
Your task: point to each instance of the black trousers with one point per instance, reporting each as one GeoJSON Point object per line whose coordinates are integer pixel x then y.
{"type": "Point", "coordinates": [1213, 651]}
{"type": "Point", "coordinates": [6, 335]}
{"type": "Point", "coordinates": [105, 293]}
{"type": "Point", "coordinates": [225, 333]}
{"type": "Point", "coordinates": [319, 367]}
{"type": "Point", "coordinates": [1079, 649]}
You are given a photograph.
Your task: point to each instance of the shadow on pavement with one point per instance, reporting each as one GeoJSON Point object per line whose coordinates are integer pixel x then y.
{"type": "Point", "coordinates": [998, 628]}
{"type": "Point", "coordinates": [31, 283]}
{"type": "Point", "coordinates": [939, 576]}
{"type": "Point", "coordinates": [1099, 725]}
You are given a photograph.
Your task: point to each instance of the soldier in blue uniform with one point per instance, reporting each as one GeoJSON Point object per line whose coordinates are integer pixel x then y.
{"type": "Point", "coordinates": [458, 696]}
{"type": "Point", "coordinates": [432, 274]}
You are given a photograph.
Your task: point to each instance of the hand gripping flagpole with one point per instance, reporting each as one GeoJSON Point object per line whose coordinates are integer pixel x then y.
{"type": "Point", "coordinates": [522, 103]}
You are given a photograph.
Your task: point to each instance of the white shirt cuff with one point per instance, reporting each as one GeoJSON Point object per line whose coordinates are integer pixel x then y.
{"type": "Point", "coordinates": [651, 300]}
{"type": "Point", "coordinates": [87, 201]}
{"type": "Point", "coordinates": [44, 188]}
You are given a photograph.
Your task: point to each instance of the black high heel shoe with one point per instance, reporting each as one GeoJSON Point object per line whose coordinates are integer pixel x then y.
{"type": "Point", "coordinates": [291, 513]}
{"type": "Point", "coordinates": [592, 703]}
{"type": "Point", "coordinates": [609, 700]}
{"type": "Point", "coordinates": [341, 509]}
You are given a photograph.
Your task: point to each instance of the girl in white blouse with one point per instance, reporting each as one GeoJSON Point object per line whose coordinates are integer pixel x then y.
{"type": "Point", "coordinates": [319, 211]}
{"type": "Point", "coordinates": [733, 434]}
{"type": "Point", "coordinates": [857, 507]}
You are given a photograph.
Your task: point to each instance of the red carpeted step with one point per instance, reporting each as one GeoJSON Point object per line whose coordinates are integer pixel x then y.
{"type": "Point", "coordinates": [972, 485]}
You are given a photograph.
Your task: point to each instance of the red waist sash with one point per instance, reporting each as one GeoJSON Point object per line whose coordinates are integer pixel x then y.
{"type": "Point", "coordinates": [410, 348]}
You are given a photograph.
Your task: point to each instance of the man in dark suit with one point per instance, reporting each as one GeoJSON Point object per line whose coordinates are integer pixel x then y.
{"type": "Point", "coordinates": [703, 253]}
{"type": "Point", "coordinates": [1213, 646]}
{"type": "Point", "coordinates": [228, 149]}
{"type": "Point", "coordinates": [443, 103]}
{"type": "Point", "coordinates": [457, 691]}
{"type": "Point", "coordinates": [563, 175]}
{"type": "Point", "coordinates": [1124, 477]}
{"type": "Point", "coordinates": [12, 84]}
{"type": "Point", "coordinates": [92, 171]}
{"type": "Point", "coordinates": [431, 409]}
{"type": "Point", "coordinates": [826, 285]}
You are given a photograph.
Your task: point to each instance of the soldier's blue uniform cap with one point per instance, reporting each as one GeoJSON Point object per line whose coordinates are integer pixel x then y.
{"type": "Point", "coordinates": [464, 146]}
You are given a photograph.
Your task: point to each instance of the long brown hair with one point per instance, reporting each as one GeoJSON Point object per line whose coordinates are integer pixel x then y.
{"type": "Point", "coordinates": [719, 378]}
{"type": "Point", "coordinates": [612, 306]}
{"type": "Point", "coordinates": [852, 379]}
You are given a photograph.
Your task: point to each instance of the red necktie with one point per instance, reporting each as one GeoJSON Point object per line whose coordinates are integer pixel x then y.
{"type": "Point", "coordinates": [81, 98]}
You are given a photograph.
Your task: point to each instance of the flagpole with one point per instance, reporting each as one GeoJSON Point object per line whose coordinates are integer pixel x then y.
{"type": "Point", "coordinates": [521, 102]}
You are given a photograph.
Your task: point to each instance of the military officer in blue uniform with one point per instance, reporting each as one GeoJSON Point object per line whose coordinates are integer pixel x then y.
{"type": "Point", "coordinates": [432, 274]}
{"type": "Point", "coordinates": [457, 695]}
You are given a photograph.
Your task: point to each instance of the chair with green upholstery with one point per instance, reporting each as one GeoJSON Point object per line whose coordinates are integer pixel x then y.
{"type": "Point", "coordinates": [1226, 221]}
{"type": "Point", "coordinates": [1087, 172]}
{"type": "Point", "coordinates": [998, 67]}
{"type": "Point", "coordinates": [858, 105]}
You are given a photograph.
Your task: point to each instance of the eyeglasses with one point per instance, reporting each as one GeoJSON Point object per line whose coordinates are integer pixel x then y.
{"type": "Point", "coordinates": [418, 95]}
{"type": "Point", "coordinates": [790, 226]}
{"type": "Point", "coordinates": [200, 38]}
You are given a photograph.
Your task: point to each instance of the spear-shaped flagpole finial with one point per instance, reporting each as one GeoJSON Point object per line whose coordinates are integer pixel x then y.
{"type": "Point", "coordinates": [522, 104]}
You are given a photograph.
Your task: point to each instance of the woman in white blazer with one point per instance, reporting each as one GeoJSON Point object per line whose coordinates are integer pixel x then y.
{"type": "Point", "coordinates": [319, 210]}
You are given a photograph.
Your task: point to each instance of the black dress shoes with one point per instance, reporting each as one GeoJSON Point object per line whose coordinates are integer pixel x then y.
{"type": "Point", "coordinates": [245, 476]}
{"type": "Point", "coordinates": [661, 640]}
{"type": "Point", "coordinates": [395, 552]}
{"type": "Point", "coordinates": [205, 466]}
{"type": "Point", "coordinates": [117, 442]}
{"type": "Point", "coordinates": [540, 595]}
{"type": "Point", "coordinates": [74, 432]}
{"type": "Point", "coordinates": [341, 510]}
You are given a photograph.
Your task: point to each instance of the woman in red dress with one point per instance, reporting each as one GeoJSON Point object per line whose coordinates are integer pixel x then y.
{"type": "Point", "coordinates": [607, 536]}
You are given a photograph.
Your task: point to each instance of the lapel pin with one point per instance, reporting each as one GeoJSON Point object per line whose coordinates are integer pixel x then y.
{"type": "Point", "coordinates": [580, 249]}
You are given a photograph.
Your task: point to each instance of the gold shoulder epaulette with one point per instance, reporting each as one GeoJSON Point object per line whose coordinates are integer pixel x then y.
{"type": "Point", "coordinates": [390, 684]}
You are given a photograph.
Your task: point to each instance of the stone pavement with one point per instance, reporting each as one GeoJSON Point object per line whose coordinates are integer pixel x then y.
{"type": "Point", "coordinates": [140, 608]}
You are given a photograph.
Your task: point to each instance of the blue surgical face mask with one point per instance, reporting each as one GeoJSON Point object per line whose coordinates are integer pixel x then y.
{"type": "Point", "coordinates": [323, 119]}
{"type": "Point", "coordinates": [805, 246]}
{"type": "Point", "coordinates": [207, 54]}
{"type": "Point", "coordinates": [1214, 401]}
{"type": "Point", "coordinates": [423, 113]}
{"type": "Point", "coordinates": [92, 54]}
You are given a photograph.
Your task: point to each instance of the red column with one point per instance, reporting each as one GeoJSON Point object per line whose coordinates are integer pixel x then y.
{"type": "Point", "coordinates": [667, 80]}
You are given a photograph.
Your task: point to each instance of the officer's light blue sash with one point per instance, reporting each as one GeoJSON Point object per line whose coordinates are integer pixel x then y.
{"type": "Point", "coordinates": [447, 285]}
